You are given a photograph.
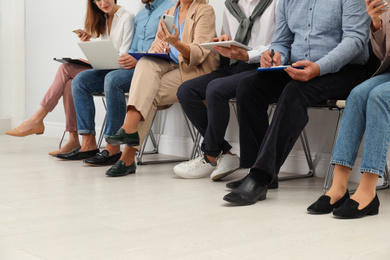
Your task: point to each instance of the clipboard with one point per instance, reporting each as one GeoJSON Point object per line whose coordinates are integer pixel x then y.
{"type": "Point", "coordinates": [278, 68]}
{"type": "Point", "coordinates": [210, 45]}
{"type": "Point", "coordinates": [74, 61]}
{"type": "Point", "coordinates": [139, 55]}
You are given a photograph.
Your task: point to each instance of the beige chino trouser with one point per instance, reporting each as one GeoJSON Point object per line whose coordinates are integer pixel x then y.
{"type": "Point", "coordinates": [155, 83]}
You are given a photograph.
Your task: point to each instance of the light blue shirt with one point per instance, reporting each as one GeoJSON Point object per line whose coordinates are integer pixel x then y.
{"type": "Point", "coordinates": [331, 33]}
{"type": "Point", "coordinates": [146, 24]}
{"type": "Point", "coordinates": [174, 53]}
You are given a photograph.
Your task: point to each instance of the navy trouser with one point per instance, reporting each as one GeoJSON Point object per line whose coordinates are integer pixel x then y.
{"type": "Point", "coordinates": [265, 146]}
{"type": "Point", "coordinates": [217, 88]}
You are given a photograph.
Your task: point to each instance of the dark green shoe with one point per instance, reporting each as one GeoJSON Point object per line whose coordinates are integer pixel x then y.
{"type": "Point", "coordinates": [120, 169]}
{"type": "Point", "coordinates": [121, 137]}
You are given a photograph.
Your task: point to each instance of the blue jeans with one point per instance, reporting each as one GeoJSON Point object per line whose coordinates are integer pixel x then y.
{"type": "Point", "coordinates": [367, 113]}
{"type": "Point", "coordinates": [114, 84]}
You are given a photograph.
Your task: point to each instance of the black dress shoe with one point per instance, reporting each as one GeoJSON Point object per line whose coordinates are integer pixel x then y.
{"type": "Point", "coordinates": [121, 137]}
{"type": "Point", "coordinates": [350, 209]}
{"type": "Point", "coordinates": [103, 158]}
{"type": "Point", "coordinates": [234, 184]}
{"type": "Point", "coordinates": [323, 206]}
{"type": "Point", "coordinates": [120, 169]}
{"type": "Point", "coordinates": [249, 192]}
{"type": "Point", "coordinates": [77, 155]}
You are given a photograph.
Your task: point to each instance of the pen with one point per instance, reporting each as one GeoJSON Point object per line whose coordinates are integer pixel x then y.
{"type": "Point", "coordinates": [272, 57]}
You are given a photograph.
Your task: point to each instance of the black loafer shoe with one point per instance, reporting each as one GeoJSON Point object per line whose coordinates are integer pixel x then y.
{"type": "Point", "coordinates": [249, 192]}
{"type": "Point", "coordinates": [234, 184]}
{"type": "Point", "coordinates": [77, 155]}
{"type": "Point", "coordinates": [323, 206]}
{"type": "Point", "coordinates": [103, 158]}
{"type": "Point", "coordinates": [350, 209]}
{"type": "Point", "coordinates": [121, 137]}
{"type": "Point", "coordinates": [120, 169]}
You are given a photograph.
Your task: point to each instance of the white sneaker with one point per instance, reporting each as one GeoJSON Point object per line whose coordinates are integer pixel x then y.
{"type": "Point", "coordinates": [226, 164]}
{"type": "Point", "coordinates": [196, 168]}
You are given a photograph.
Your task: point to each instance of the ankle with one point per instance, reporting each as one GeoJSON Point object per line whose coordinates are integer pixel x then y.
{"type": "Point", "coordinates": [260, 177]}
{"type": "Point", "coordinates": [89, 143]}
{"type": "Point", "coordinates": [210, 159]}
{"type": "Point", "coordinates": [112, 150]}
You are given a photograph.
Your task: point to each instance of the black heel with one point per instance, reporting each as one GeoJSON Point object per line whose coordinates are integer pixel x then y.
{"type": "Point", "coordinates": [350, 209]}
{"type": "Point", "coordinates": [374, 212]}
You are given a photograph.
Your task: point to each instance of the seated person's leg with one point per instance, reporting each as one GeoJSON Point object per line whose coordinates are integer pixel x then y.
{"type": "Point", "coordinates": [34, 124]}
{"type": "Point", "coordinates": [152, 78]}
{"type": "Point", "coordinates": [352, 128]}
{"type": "Point", "coordinates": [83, 86]}
{"type": "Point", "coordinates": [287, 123]}
{"type": "Point", "coordinates": [191, 95]}
{"type": "Point", "coordinates": [116, 84]}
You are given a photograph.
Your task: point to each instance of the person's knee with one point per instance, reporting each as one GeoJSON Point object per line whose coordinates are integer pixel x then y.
{"type": "Point", "coordinates": [357, 95]}
{"type": "Point", "coordinates": [110, 85]}
{"type": "Point", "coordinates": [215, 90]}
{"type": "Point", "coordinates": [244, 88]}
{"type": "Point", "coordinates": [77, 83]}
{"type": "Point", "coordinates": [377, 96]}
{"type": "Point", "coordinates": [185, 92]}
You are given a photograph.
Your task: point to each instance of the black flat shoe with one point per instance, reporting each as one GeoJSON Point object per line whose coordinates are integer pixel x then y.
{"type": "Point", "coordinates": [120, 169]}
{"type": "Point", "coordinates": [323, 206]}
{"type": "Point", "coordinates": [103, 158]}
{"type": "Point", "coordinates": [248, 193]}
{"type": "Point", "coordinates": [121, 137]}
{"type": "Point", "coordinates": [234, 184]}
{"type": "Point", "coordinates": [77, 155]}
{"type": "Point", "coordinates": [350, 209]}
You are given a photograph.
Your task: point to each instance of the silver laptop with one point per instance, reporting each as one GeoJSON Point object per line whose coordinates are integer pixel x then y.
{"type": "Point", "coordinates": [101, 54]}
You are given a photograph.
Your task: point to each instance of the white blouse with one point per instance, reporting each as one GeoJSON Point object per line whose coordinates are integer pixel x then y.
{"type": "Point", "coordinates": [122, 30]}
{"type": "Point", "coordinates": [262, 30]}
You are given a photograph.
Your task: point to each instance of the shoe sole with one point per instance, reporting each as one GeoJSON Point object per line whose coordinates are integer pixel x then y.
{"type": "Point", "coordinates": [313, 212]}
{"type": "Point", "coordinates": [263, 197]}
{"type": "Point", "coordinates": [243, 203]}
{"type": "Point", "coordinates": [99, 165]}
{"type": "Point", "coordinates": [222, 175]}
{"type": "Point", "coordinates": [115, 142]}
{"type": "Point", "coordinates": [108, 175]}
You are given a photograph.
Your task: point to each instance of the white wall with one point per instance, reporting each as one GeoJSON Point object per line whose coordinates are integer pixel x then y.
{"type": "Point", "coordinates": [12, 69]}
{"type": "Point", "coordinates": [48, 33]}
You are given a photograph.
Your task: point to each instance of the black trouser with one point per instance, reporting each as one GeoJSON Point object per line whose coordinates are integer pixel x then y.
{"type": "Point", "coordinates": [217, 88]}
{"type": "Point", "coordinates": [265, 146]}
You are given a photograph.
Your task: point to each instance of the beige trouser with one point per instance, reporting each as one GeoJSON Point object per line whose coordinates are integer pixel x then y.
{"type": "Point", "coordinates": [155, 83]}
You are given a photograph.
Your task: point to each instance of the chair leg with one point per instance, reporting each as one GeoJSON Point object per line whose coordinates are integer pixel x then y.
{"type": "Point", "coordinates": [62, 139]}
{"type": "Point", "coordinates": [100, 140]}
{"type": "Point", "coordinates": [385, 184]}
{"type": "Point", "coordinates": [150, 135]}
{"type": "Point", "coordinates": [142, 150]}
{"type": "Point", "coordinates": [309, 160]}
{"type": "Point", "coordinates": [329, 172]}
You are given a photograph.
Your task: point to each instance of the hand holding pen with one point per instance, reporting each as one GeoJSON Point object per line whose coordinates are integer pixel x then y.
{"type": "Point", "coordinates": [270, 58]}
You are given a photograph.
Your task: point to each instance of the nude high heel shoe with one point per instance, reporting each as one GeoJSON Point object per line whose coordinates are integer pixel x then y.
{"type": "Point", "coordinates": [37, 130]}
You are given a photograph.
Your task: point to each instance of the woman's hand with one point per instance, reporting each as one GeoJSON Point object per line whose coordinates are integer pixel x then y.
{"type": "Point", "coordinates": [164, 35]}
{"type": "Point", "coordinates": [127, 61]}
{"type": "Point", "coordinates": [162, 47]}
{"type": "Point", "coordinates": [84, 37]}
{"type": "Point", "coordinates": [375, 12]}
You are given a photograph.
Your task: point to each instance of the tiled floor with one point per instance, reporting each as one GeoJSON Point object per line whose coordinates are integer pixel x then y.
{"type": "Point", "coordinates": [52, 209]}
